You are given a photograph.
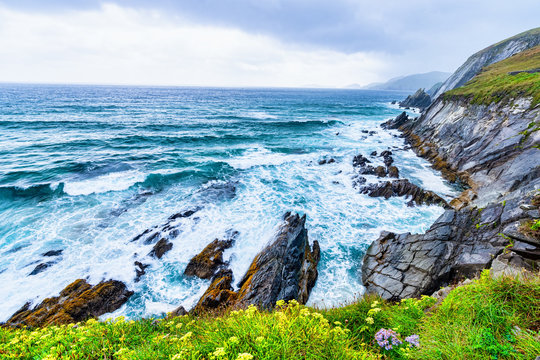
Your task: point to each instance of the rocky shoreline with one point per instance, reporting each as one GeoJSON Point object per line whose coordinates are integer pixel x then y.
{"type": "Point", "coordinates": [490, 151]}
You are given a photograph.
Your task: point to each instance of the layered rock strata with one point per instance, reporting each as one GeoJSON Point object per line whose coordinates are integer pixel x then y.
{"type": "Point", "coordinates": [286, 269]}
{"type": "Point", "coordinates": [494, 151]}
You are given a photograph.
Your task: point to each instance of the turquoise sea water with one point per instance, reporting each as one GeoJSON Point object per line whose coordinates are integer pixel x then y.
{"type": "Point", "coordinates": [85, 169]}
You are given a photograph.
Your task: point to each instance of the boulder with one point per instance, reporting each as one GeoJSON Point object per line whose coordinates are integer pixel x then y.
{"type": "Point", "coordinates": [79, 301]}
{"type": "Point", "coordinates": [160, 248]}
{"type": "Point", "coordinates": [380, 171]}
{"type": "Point", "coordinates": [393, 172]}
{"type": "Point", "coordinates": [207, 263]}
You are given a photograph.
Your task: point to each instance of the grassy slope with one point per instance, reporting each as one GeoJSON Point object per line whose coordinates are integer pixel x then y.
{"type": "Point", "coordinates": [488, 319]}
{"type": "Point", "coordinates": [494, 84]}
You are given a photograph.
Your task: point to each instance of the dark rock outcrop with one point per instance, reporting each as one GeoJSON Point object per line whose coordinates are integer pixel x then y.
{"type": "Point", "coordinates": [403, 187]}
{"type": "Point", "coordinates": [160, 248]}
{"type": "Point", "coordinates": [79, 301]}
{"type": "Point", "coordinates": [459, 244]}
{"type": "Point", "coordinates": [420, 99]}
{"type": "Point", "coordinates": [210, 260]}
{"type": "Point", "coordinates": [396, 123]}
{"type": "Point", "coordinates": [286, 269]}
{"type": "Point", "coordinates": [41, 267]}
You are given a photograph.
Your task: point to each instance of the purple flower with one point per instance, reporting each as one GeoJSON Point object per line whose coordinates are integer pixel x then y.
{"type": "Point", "coordinates": [387, 339]}
{"type": "Point", "coordinates": [413, 340]}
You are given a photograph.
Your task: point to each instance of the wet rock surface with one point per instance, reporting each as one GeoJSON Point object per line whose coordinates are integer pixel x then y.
{"type": "Point", "coordinates": [284, 270]}
{"type": "Point", "coordinates": [403, 187]}
{"type": "Point", "coordinates": [79, 301]}
{"type": "Point", "coordinates": [210, 260]}
{"type": "Point", "coordinates": [486, 149]}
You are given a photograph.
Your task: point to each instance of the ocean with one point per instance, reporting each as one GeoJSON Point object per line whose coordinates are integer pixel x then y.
{"type": "Point", "coordinates": [85, 169]}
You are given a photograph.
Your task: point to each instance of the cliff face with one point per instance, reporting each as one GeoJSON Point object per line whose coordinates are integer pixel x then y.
{"type": "Point", "coordinates": [490, 55]}
{"type": "Point", "coordinates": [494, 149]}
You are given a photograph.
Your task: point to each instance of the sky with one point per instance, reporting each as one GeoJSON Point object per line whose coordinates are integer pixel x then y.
{"type": "Point", "coordinates": [276, 43]}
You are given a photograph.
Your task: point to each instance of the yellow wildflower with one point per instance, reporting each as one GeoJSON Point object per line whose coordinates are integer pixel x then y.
{"type": "Point", "coordinates": [369, 320]}
{"type": "Point", "coordinates": [244, 356]}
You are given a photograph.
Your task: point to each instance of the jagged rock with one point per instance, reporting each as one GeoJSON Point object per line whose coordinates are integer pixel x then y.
{"type": "Point", "coordinates": [393, 172]}
{"type": "Point", "coordinates": [387, 158]}
{"type": "Point", "coordinates": [396, 123]}
{"type": "Point", "coordinates": [161, 247]}
{"type": "Point", "coordinates": [459, 244]}
{"type": "Point", "coordinates": [360, 161]}
{"type": "Point", "coordinates": [420, 99]}
{"type": "Point", "coordinates": [207, 263]}
{"type": "Point", "coordinates": [219, 295]}
{"type": "Point", "coordinates": [79, 301]}
{"type": "Point", "coordinates": [286, 269]}
{"type": "Point", "coordinates": [374, 153]}
{"type": "Point", "coordinates": [140, 270]}
{"type": "Point", "coordinates": [492, 151]}
{"type": "Point", "coordinates": [403, 187]}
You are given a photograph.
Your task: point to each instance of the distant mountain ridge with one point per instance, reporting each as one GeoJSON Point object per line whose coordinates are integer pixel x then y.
{"type": "Point", "coordinates": [490, 55]}
{"type": "Point", "coordinates": [410, 82]}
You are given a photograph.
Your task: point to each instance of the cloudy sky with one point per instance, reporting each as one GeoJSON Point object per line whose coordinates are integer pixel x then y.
{"type": "Point", "coordinates": [299, 43]}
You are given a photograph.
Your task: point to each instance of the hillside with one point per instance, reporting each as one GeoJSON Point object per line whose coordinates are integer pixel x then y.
{"type": "Point", "coordinates": [517, 76]}
{"type": "Point", "coordinates": [411, 82]}
{"type": "Point", "coordinates": [491, 318]}
{"type": "Point", "coordinates": [488, 56]}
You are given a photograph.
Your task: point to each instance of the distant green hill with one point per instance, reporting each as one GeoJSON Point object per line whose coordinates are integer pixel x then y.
{"type": "Point", "coordinates": [411, 82]}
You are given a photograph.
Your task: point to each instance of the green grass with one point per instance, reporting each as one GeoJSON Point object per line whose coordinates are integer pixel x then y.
{"type": "Point", "coordinates": [494, 84]}
{"type": "Point", "coordinates": [487, 319]}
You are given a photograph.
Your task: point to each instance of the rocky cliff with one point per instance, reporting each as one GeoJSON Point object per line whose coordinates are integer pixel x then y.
{"type": "Point", "coordinates": [494, 151]}
{"type": "Point", "coordinates": [489, 55]}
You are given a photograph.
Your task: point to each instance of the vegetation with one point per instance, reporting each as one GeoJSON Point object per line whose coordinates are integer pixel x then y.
{"type": "Point", "coordinates": [496, 84]}
{"type": "Point", "coordinates": [487, 319]}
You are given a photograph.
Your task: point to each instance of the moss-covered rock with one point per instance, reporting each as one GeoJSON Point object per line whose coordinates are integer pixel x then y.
{"type": "Point", "coordinates": [78, 301]}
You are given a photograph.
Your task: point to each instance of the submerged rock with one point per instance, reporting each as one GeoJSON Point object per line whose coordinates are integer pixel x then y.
{"type": "Point", "coordinates": [284, 270]}
{"type": "Point", "coordinates": [79, 301]}
{"type": "Point", "coordinates": [41, 267]}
